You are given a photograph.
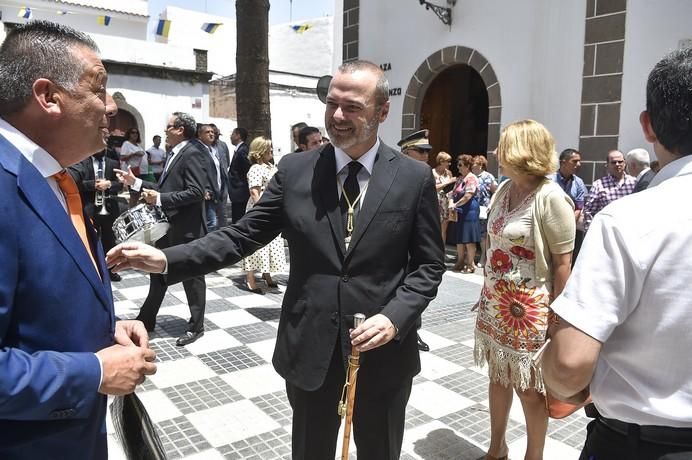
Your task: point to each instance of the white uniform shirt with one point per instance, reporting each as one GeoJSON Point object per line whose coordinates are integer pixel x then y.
{"type": "Point", "coordinates": [630, 290]}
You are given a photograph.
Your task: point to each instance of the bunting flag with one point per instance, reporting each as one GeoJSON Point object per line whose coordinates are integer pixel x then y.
{"type": "Point", "coordinates": [104, 20]}
{"type": "Point", "coordinates": [210, 27]}
{"type": "Point", "coordinates": [163, 28]}
{"type": "Point", "coordinates": [300, 28]}
{"type": "Point", "coordinates": [24, 12]}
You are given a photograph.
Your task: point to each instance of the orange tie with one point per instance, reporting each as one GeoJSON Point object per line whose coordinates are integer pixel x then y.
{"type": "Point", "coordinates": [74, 207]}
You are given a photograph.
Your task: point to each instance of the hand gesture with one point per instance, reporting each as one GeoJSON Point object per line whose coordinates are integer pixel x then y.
{"type": "Point", "coordinates": [125, 367]}
{"type": "Point", "coordinates": [374, 332]}
{"type": "Point", "coordinates": [136, 255]}
{"type": "Point", "coordinates": [126, 177]}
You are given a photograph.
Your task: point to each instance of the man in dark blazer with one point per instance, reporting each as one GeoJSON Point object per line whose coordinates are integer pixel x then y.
{"type": "Point", "coordinates": [221, 151]}
{"type": "Point", "coordinates": [180, 193]}
{"type": "Point", "coordinates": [84, 174]}
{"type": "Point", "coordinates": [238, 189]}
{"type": "Point", "coordinates": [61, 351]}
{"type": "Point", "coordinates": [638, 165]}
{"type": "Point", "coordinates": [215, 190]}
{"type": "Point", "coordinates": [384, 259]}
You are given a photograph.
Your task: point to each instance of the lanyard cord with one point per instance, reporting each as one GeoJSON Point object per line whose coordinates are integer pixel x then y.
{"type": "Point", "coordinates": [351, 206]}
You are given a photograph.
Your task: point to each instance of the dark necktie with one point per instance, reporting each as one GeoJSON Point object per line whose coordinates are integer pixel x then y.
{"type": "Point", "coordinates": [350, 198]}
{"type": "Point", "coordinates": [99, 171]}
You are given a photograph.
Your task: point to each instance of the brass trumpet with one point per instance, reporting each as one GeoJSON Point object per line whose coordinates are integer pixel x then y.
{"type": "Point", "coordinates": [100, 197]}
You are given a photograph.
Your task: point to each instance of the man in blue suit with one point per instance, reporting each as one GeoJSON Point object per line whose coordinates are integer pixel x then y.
{"type": "Point", "coordinates": [61, 352]}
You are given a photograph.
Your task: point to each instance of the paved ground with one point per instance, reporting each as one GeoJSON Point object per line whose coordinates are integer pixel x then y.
{"type": "Point", "coordinates": [220, 397]}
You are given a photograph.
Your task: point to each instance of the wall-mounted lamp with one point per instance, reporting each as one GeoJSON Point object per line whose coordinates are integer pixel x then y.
{"type": "Point", "coordinates": [442, 12]}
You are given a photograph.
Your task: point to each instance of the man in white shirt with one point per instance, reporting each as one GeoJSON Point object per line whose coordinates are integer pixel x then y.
{"type": "Point", "coordinates": [157, 157]}
{"type": "Point", "coordinates": [625, 319]}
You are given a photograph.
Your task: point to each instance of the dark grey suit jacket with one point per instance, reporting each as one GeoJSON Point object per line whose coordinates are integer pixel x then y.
{"type": "Point", "coordinates": [393, 266]}
{"type": "Point", "coordinates": [644, 181]}
{"type": "Point", "coordinates": [238, 189]}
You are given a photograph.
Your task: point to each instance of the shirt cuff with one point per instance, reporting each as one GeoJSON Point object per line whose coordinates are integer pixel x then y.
{"type": "Point", "coordinates": [100, 371]}
{"type": "Point", "coordinates": [137, 186]}
{"type": "Point", "coordinates": [158, 200]}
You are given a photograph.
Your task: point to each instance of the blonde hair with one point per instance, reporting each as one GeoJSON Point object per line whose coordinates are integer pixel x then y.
{"type": "Point", "coordinates": [442, 156]}
{"type": "Point", "coordinates": [258, 148]}
{"type": "Point", "coordinates": [527, 147]}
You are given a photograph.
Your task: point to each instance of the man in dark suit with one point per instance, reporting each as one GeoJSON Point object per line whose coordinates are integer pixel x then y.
{"type": "Point", "coordinates": [215, 191]}
{"type": "Point", "coordinates": [638, 165]}
{"type": "Point", "coordinates": [221, 151]}
{"type": "Point", "coordinates": [238, 189]}
{"type": "Point", "coordinates": [362, 223]}
{"type": "Point", "coordinates": [93, 175]}
{"type": "Point", "coordinates": [180, 193]}
{"type": "Point", "coordinates": [61, 351]}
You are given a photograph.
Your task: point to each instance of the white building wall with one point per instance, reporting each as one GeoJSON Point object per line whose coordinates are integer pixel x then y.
{"type": "Point", "coordinates": [534, 46]}
{"type": "Point", "coordinates": [653, 29]}
{"type": "Point", "coordinates": [156, 99]}
{"type": "Point", "coordinates": [288, 110]}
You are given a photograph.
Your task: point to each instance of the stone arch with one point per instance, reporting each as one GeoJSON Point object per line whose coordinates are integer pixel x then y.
{"type": "Point", "coordinates": [431, 67]}
{"type": "Point", "coordinates": [122, 103]}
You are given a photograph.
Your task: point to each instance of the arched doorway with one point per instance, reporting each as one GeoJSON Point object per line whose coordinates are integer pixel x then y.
{"type": "Point", "coordinates": [456, 95]}
{"type": "Point", "coordinates": [455, 111]}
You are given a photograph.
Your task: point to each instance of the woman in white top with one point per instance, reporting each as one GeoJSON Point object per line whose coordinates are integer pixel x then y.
{"type": "Point", "coordinates": [272, 257]}
{"type": "Point", "coordinates": [131, 154]}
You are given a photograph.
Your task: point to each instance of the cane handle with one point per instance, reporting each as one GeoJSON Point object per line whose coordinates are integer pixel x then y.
{"type": "Point", "coordinates": [358, 319]}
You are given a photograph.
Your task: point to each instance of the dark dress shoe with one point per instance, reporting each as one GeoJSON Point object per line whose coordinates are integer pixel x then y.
{"type": "Point", "coordinates": [422, 346]}
{"type": "Point", "coordinates": [188, 338]}
{"type": "Point", "coordinates": [115, 277]}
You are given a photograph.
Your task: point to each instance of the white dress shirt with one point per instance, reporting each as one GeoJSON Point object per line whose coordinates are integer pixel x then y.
{"type": "Point", "coordinates": [137, 186]}
{"type": "Point", "coordinates": [367, 160]}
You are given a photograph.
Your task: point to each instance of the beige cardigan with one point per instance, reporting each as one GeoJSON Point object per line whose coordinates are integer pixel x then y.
{"type": "Point", "coordinates": [553, 224]}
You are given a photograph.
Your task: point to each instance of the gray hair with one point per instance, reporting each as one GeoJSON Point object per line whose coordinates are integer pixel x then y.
{"type": "Point", "coordinates": [187, 122]}
{"type": "Point", "coordinates": [39, 49]}
{"type": "Point", "coordinates": [638, 156]}
{"type": "Point", "coordinates": [382, 86]}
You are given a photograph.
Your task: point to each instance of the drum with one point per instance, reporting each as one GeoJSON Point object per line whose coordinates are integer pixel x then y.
{"type": "Point", "coordinates": [144, 222]}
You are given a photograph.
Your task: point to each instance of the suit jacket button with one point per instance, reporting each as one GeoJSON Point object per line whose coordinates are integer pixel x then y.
{"type": "Point", "coordinates": [335, 318]}
{"type": "Point", "coordinates": [344, 278]}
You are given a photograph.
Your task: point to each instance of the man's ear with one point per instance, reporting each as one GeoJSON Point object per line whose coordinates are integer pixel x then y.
{"type": "Point", "coordinates": [384, 112]}
{"type": "Point", "coordinates": [48, 96]}
{"type": "Point", "coordinates": [647, 129]}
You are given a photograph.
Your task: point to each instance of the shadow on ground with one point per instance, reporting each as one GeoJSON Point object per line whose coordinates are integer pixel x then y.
{"type": "Point", "coordinates": [444, 444]}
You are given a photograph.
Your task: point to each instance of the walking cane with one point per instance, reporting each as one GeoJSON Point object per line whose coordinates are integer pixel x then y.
{"type": "Point", "coordinates": [348, 394]}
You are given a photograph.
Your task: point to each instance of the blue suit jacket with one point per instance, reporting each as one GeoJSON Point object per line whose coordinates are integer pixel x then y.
{"type": "Point", "coordinates": [55, 312]}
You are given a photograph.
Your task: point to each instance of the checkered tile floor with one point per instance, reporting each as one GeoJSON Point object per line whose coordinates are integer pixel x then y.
{"type": "Point", "coordinates": [220, 398]}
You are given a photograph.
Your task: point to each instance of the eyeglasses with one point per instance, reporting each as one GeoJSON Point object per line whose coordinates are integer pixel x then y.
{"type": "Point", "coordinates": [169, 127]}
{"type": "Point", "coordinates": [617, 162]}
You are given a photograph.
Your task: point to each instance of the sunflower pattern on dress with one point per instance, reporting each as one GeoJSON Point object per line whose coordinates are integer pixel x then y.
{"type": "Point", "coordinates": [513, 310]}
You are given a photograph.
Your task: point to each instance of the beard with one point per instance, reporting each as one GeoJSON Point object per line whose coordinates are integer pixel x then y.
{"type": "Point", "coordinates": [355, 135]}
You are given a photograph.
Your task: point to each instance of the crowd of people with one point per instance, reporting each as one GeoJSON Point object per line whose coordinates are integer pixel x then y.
{"type": "Point", "coordinates": [366, 226]}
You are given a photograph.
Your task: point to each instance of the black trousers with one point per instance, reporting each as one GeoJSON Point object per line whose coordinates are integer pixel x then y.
{"type": "Point", "coordinates": [605, 443]}
{"type": "Point", "coordinates": [195, 292]}
{"type": "Point", "coordinates": [237, 211]}
{"type": "Point", "coordinates": [378, 417]}
{"type": "Point", "coordinates": [104, 227]}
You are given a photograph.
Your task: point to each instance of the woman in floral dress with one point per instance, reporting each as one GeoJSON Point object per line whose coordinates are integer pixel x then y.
{"type": "Point", "coordinates": [530, 242]}
{"type": "Point", "coordinates": [271, 258]}
{"type": "Point", "coordinates": [443, 178]}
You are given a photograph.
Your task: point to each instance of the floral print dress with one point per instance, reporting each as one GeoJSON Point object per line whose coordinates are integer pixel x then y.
{"type": "Point", "coordinates": [513, 309]}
